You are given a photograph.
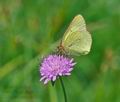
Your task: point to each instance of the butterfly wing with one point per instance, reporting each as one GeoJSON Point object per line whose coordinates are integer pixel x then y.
{"type": "Point", "coordinates": [76, 38]}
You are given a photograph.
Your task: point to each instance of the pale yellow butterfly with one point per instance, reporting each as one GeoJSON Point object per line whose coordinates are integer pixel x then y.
{"type": "Point", "coordinates": [76, 39]}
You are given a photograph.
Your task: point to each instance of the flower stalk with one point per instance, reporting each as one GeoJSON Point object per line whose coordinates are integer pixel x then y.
{"type": "Point", "coordinates": [63, 87]}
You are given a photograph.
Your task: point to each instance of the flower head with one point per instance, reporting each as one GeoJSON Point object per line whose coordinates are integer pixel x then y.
{"type": "Point", "coordinates": [54, 66]}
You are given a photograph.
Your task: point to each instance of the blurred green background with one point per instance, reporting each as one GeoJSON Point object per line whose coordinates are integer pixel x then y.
{"type": "Point", "coordinates": [29, 29]}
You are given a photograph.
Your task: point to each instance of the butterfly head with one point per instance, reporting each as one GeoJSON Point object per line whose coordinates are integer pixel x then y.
{"type": "Point", "coordinates": [61, 49]}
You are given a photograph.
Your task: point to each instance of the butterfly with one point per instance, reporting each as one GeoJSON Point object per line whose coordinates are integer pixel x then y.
{"type": "Point", "coordinates": [76, 40]}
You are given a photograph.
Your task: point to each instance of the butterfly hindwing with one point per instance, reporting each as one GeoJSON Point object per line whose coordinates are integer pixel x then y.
{"type": "Point", "coordinates": [77, 38]}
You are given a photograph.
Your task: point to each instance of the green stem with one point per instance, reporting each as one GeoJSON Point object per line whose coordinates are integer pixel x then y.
{"type": "Point", "coordinates": [63, 87]}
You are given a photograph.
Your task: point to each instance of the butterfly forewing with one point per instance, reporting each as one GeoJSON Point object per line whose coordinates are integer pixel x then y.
{"type": "Point", "coordinates": [77, 38]}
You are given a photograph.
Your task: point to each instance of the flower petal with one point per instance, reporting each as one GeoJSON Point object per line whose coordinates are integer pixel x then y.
{"type": "Point", "coordinates": [46, 81]}
{"type": "Point", "coordinates": [54, 78]}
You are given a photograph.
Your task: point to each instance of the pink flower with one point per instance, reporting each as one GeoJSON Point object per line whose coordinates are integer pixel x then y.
{"type": "Point", "coordinates": [54, 66]}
